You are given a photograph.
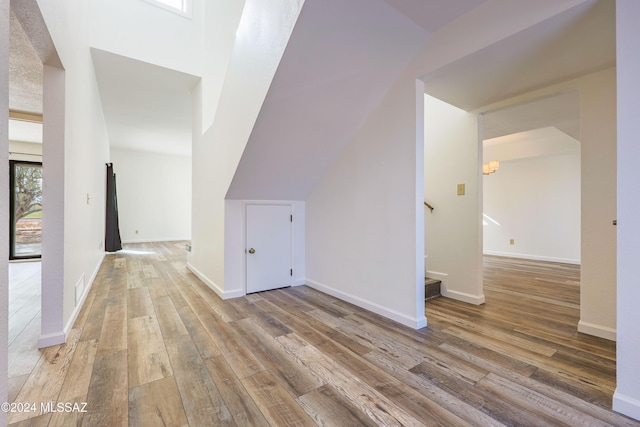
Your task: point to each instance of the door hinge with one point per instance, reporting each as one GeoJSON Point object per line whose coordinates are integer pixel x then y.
{"type": "Point", "coordinates": [291, 272]}
{"type": "Point", "coordinates": [291, 217]}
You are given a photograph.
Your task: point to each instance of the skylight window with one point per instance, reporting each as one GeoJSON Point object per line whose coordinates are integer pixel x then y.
{"type": "Point", "coordinates": [176, 4]}
{"type": "Point", "coordinates": [181, 7]}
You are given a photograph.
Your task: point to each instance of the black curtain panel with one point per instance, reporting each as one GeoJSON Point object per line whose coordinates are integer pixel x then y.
{"type": "Point", "coordinates": [112, 242]}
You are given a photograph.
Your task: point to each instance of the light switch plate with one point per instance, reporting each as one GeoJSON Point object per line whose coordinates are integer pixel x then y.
{"type": "Point", "coordinates": [460, 189]}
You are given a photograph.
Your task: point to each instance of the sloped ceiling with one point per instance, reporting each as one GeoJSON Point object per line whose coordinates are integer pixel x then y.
{"type": "Point", "coordinates": [576, 42]}
{"type": "Point", "coordinates": [432, 15]}
{"type": "Point", "coordinates": [329, 81]}
{"type": "Point", "coordinates": [561, 111]}
{"type": "Point", "coordinates": [340, 61]}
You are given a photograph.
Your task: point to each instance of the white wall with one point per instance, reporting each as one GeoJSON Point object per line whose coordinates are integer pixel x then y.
{"type": "Point", "coordinates": [4, 195]}
{"type": "Point", "coordinates": [627, 396]}
{"type": "Point", "coordinates": [154, 196]}
{"type": "Point", "coordinates": [363, 229]}
{"type": "Point", "coordinates": [140, 30]}
{"type": "Point", "coordinates": [536, 201]}
{"type": "Point", "coordinates": [327, 84]}
{"type": "Point", "coordinates": [598, 205]}
{"type": "Point", "coordinates": [452, 231]}
{"type": "Point", "coordinates": [219, 32]}
{"type": "Point", "coordinates": [365, 217]}
{"type": "Point", "coordinates": [77, 160]}
{"type": "Point", "coordinates": [261, 38]}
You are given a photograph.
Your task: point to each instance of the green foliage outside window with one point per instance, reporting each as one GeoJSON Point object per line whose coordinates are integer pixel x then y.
{"type": "Point", "coordinates": [28, 191]}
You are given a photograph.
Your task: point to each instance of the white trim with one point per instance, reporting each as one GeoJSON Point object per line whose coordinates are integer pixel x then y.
{"type": "Point", "coordinates": [462, 296]}
{"type": "Point", "coordinates": [54, 338]}
{"type": "Point", "coordinates": [186, 12]}
{"type": "Point", "coordinates": [533, 257]}
{"type": "Point", "coordinates": [172, 239]}
{"type": "Point", "coordinates": [597, 330]}
{"type": "Point", "coordinates": [299, 282]}
{"type": "Point", "coordinates": [437, 275]}
{"type": "Point", "coordinates": [60, 337]}
{"type": "Point", "coordinates": [626, 405]}
{"type": "Point", "coordinates": [79, 288]}
{"type": "Point", "coordinates": [415, 323]}
{"type": "Point", "coordinates": [459, 296]}
{"type": "Point", "coordinates": [215, 288]}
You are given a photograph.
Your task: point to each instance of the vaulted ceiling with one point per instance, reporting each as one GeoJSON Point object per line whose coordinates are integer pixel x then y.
{"type": "Point", "coordinates": [340, 62]}
{"type": "Point", "coordinates": [140, 98]}
{"type": "Point", "coordinates": [314, 103]}
{"type": "Point", "coordinates": [146, 107]}
{"type": "Point", "coordinates": [574, 43]}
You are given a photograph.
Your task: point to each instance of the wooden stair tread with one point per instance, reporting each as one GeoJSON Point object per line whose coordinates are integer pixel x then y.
{"type": "Point", "coordinates": [431, 288]}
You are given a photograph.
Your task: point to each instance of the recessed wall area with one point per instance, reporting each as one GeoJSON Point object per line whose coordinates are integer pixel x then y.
{"type": "Point", "coordinates": [154, 195]}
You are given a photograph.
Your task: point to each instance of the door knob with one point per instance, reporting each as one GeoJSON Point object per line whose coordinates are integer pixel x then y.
{"type": "Point", "coordinates": [252, 251]}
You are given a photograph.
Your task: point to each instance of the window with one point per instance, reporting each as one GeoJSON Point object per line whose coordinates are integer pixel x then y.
{"type": "Point", "coordinates": [25, 209]}
{"type": "Point", "coordinates": [181, 7]}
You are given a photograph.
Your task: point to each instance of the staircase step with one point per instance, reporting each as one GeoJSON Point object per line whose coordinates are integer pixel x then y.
{"type": "Point", "coordinates": [431, 288]}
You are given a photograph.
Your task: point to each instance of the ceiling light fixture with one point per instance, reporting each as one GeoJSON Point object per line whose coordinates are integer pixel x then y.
{"type": "Point", "coordinates": [491, 167]}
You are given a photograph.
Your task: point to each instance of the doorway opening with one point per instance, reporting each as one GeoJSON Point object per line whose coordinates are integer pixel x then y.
{"type": "Point", "coordinates": [531, 205]}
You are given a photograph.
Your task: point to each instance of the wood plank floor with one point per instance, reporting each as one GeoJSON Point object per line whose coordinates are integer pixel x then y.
{"type": "Point", "coordinates": [154, 346]}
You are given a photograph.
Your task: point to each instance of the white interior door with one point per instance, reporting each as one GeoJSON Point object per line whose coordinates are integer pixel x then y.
{"type": "Point", "coordinates": [268, 248]}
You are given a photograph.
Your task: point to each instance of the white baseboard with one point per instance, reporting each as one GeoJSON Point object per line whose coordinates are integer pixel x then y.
{"type": "Point", "coordinates": [415, 323]}
{"type": "Point", "coordinates": [626, 405]}
{"type": "Point", "coordinates": [168, 239]}
{"type": "Point", "coordinates": [533, 257]}
{"type": "Point", "coordinates": [597, 330]}
{"type": "Point", "coordinates": [236, 293]}
{"type": "Point", "coordinates": [437, 275]}
{"type": "Point", "coordinates": [462, 296]}
{"type": "Point", "coordinates": [60, 337]}
{"type": "Point", "coordinates": [300, 282]}
{"type": "Point", "coordinates": [51, 339]}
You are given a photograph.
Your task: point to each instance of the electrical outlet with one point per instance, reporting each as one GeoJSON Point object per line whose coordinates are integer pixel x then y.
{"type": "Point", "coordinates": [460, 189]}
{"type": "Point", "coordinates": [137, 231]}
{"type": "Point", "coordinates": [512, 241]}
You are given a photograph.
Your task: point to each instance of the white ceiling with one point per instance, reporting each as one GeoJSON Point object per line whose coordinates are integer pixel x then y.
{"type": "Point", "coordinates": [561, 111]}
{"type": "Point", "coordinates": [432, 15]}
{"type": "Point", "coordinates": [25, 71]}
{"type": "Point", "coordinates": [576, 42]}
{"type": "Point", "coordinates": [146, 107]}
{"type": "Point", "coordinates": [533, 143]}
{"type": "Point", "coordinates": [25, 84]}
